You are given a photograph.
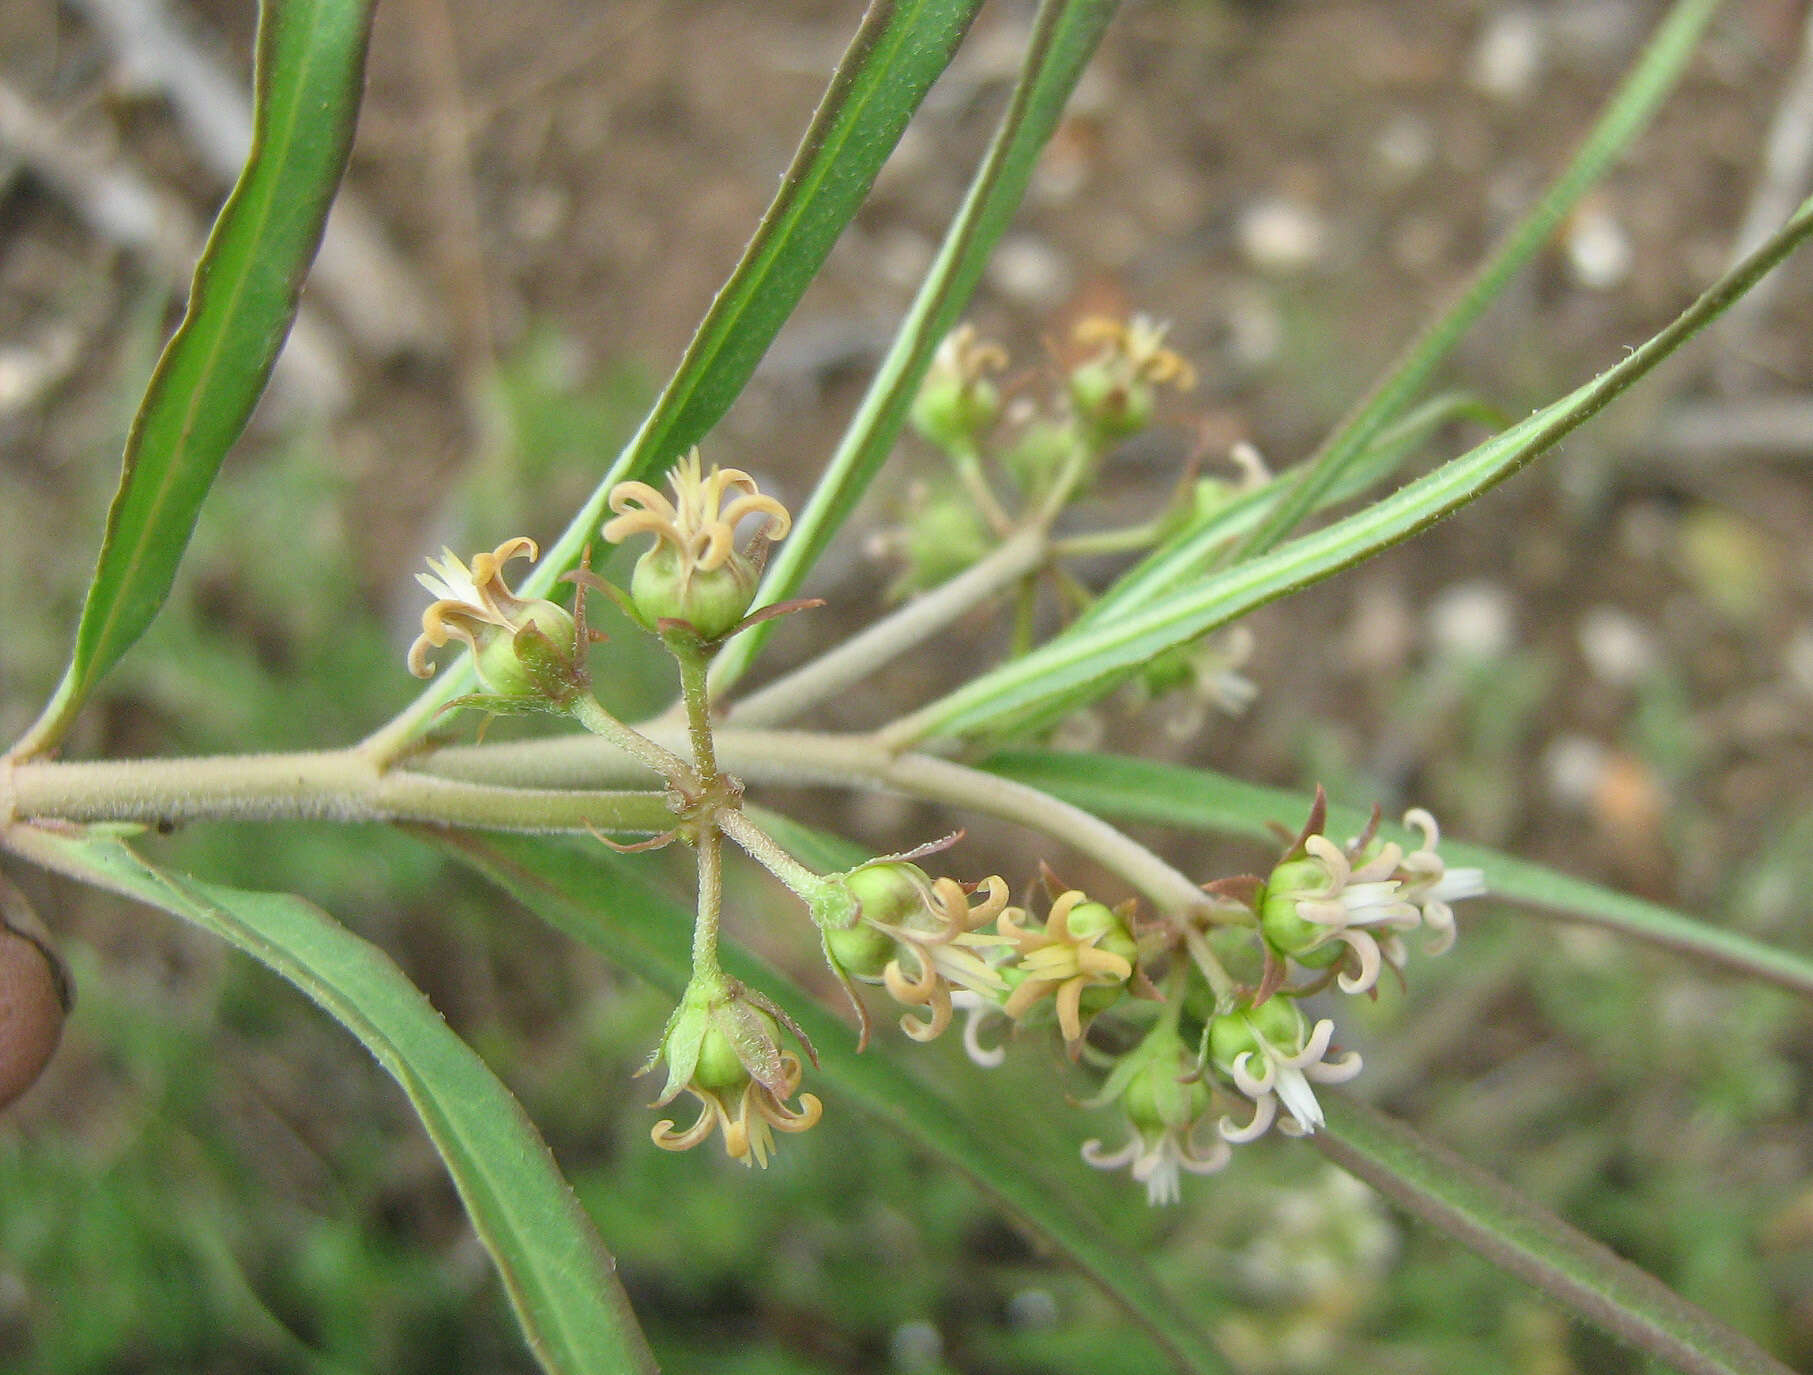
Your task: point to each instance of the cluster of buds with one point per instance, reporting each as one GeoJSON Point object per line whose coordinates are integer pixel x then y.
{"type": "Point", "coordinates": [1044, 454]}
{"type": "Point", "coordinates": [938, 945]}
{"type": "Point", "coordinates": [1326, 915]}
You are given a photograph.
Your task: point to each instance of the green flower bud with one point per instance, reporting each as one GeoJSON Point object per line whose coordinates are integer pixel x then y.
{"type": "Point", "coordinates": [889, 892]}
{"type": "Point", "coordinates": [1113, 405]}
{"type": "Point", "coordinates": [944, 536]}
{"type": "Point", "coordinates": [1278, 1020]}
{"type": "Point", "coordinates": [860, 951]}
{"type": "Point", "coordinates": [666, 586]}
{"type": "Point", "coordinates": [527, 662]}
{"type": "Point", "coordinates": [1286, 931]}
{"type": "Point", "coordinates": [956, 402]}
{"type": "Point", "coordinates": [953, 414]}
{"type": "Point", "coordinates": [1044, 449]}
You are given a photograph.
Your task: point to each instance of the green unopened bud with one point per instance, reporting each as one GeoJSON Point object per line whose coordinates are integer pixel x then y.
{"type": "Point", "coordinates": [889, 894]}
{"type": "Point", "coordinates": [665, 587]}
{"type": "Point", "coordinates": [1043, 451]}
{"type": "Point", "coordinates": [1157, 1099]}
{"type": "Point", "coordinates": [1111, 404]}
{"type": "Point", "coordinates": [539, 659]}
{"type": "Point", "coordinates": [957, 403]}
{"type": "Point", "coordinates": [1285, 930]}
{"type": "Point", "coordinates": [944, 536]}
{"type": "Point", "coordinates": [953, 414]}
{"type": "Point", "coordinates": [1278, 1020]}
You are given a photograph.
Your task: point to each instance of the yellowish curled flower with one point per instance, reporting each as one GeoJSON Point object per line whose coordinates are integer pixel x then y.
{"type": "Point", "coordinates": [943, 950]}
{"type": "Point", "coordinates": [722, 1045]}
{"type": "Point", "coordinates": [476, 607]}
{"type": "Point", "coordinates": [1084, 946]}
{"type": "Point", "coordinates": [1134, 350]}
{"type": "Point", "coordinates": [694, 572]}
{"type": "Point", "coordinates": [957, 403]}
{"type": "Point", "coordinates": [746, 1111]}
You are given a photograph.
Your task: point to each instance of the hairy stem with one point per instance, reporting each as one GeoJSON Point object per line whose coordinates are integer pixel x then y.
{"type": "Point", "coordinates": [804, 757]}
{"type": "Point", "coordinates": [887, 639]}
{"type": "Point", "coordinates": [767, 852]}
{"type": "Point", "coordinates": [330, 786]}
{"type": "Point", "coordinates": [711, 903]}
{"type": "Point", "coordinates": [588, 712]}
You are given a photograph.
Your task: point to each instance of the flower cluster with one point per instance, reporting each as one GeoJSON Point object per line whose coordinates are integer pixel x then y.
{"type": "Point", "coordinates": [1225, 1062]}
{"type": "Point", "coordinates": [1018, 458]}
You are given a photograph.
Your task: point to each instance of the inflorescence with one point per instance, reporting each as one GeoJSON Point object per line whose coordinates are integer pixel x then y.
{"type": "Point", "coordinates": [1205, 1026]}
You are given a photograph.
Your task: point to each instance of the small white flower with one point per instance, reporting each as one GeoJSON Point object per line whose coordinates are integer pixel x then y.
{"type": "Point", "coordinates": [1273, 1055]}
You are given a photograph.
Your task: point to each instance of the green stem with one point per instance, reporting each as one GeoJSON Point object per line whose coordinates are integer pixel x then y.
{"type": "Point", "coordinates": [1097, 542]}
{"type": "Point", "coordinates": [887, 639]}
{"type": "Point", "coordinates": [968, 464]}
{"type": "Point", "coordinates": [797, 758]}
{"type": "Point", "coordinates": [590, 713]}
{"type": "Point", "coordinates": [342, 785]}
{"type": "Point", "coordinates": [810, 887]}
{"type": "Point", "coordinates": [711, 903]}
{"type": "Point", "coordinates": [697, 700]}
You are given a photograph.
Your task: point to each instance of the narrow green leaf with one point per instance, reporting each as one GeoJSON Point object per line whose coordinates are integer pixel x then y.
{"type": "Point", "coordinates": [1625, 116]}
{"type": "Point", "coordinates": [1489, 1217]}
{"type": "Point", "coordinates": [600, 900]}
{"type": "Point", "coordinates": [559, 1277]}
{"type": "Point", "coordinates": [1064, 37]}
{"type": "Point", "coordinates": [1197, 799]}
{"type": "Point", "coordinates": [309, 74]}
{"type": "Point", "coordinates": [900, 50]}
{"type": "Point", "coordinates": [1096, 652]}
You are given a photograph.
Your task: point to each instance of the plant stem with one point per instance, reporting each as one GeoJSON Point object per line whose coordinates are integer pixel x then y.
{"type": "Point", "coordinates": [711, 903]}
{"type": "Point", "coordinates": [804, 757]}
{"type": "Point", "coordinates": [590, 713]}
{"type": "Point", "coordinates": [341, 785]}
{"type": "Point", "coordinates": [766, 851]}
{"type": "Point", "coordinates": [895, 634]}
{"type": "Point", "coordinates": [697, 701]}
{"type": "Point", "coordinates": [1096, 542]}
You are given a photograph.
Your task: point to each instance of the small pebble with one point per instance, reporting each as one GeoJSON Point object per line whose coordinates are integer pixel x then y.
{"type": "Point", "coordinates": [1620, 651]}
{"type": "Point", "coordinates": [1280, 235]}
{"type": "Point", "coordinates": [1030, 271]}
{"type": "Point", "coordinates": [1599, 251]}
{"type": "Point", "coordinates": [1507, 60]}
{"type": "Point", "coordinates": [1472, 620]}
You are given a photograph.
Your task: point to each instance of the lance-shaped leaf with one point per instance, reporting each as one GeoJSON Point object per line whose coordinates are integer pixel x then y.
{"type": "Point", "coordinates": [1488, 1216]}
{"type": "Point", "coordinates": [560, 1279]}
{"type": "Point", "coordinates": [310, 68]}
{"type": "Point", "coordinates": [895, 57]}
{"type": "Point", "coordinates": [1064, 36]}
